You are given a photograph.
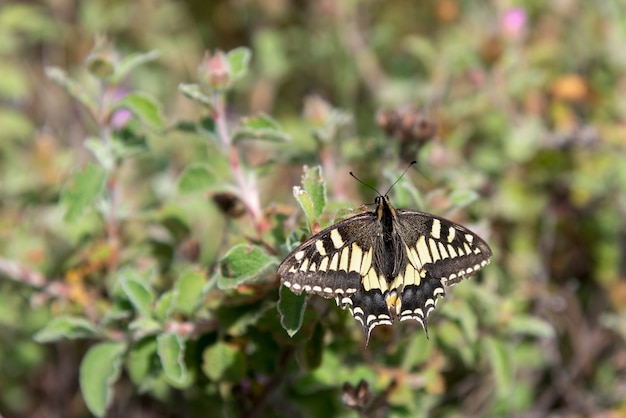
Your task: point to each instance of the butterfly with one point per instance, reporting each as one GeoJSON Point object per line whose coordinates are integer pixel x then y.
{"type": "Point", "coordinates": [385, 264]}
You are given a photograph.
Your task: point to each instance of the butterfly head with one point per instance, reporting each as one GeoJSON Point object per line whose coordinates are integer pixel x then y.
{"type": "Point", "coordinates": [384, 209]}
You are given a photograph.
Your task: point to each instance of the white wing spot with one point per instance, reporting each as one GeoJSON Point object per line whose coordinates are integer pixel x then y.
{"type": "Point", "coordinates": [317, 288]}
{"type": "Point", "coordinates": [451, 234]}
{"type": "Point", "coordinates": [334, 262]}
{"type": "Point", "coordinates": [433, 250]}
{"type": "Point", "coordinates": [422, 250]}
{"type": "Point", "coordinates": [299, 255]}
{"type": "Point", "coordinates": [323, 264]}
{"type": "Point", "coordinates": [345, 258]}
{"type": "Point", "coordinates": [435, 230]}
{"type": "Point", "coordinates": [319, 244]}
{"type": "Point", "coordinates": [469, 238]}
{"type": "Point", "coordinates": [442, 250]}
{"type": "Point", "coordinates": [356, 259]}
{"type": "Point", "coordinates": [336, 238]}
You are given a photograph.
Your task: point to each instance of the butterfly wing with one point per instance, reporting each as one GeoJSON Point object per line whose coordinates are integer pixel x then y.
{"type": "Point", "coordinates": [332, 262]}
{"type": "Point", "coordinates": [433, 252]}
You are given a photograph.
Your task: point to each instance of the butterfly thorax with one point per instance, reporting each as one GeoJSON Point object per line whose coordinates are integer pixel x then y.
{"type": "Point", "coordinates": [386, 215]}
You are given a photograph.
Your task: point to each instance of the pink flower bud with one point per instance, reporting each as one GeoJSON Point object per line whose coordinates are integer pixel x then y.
{"type": "Point", "coordinates": [214, 70]}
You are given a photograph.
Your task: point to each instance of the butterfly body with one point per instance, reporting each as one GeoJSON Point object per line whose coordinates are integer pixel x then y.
{"type": "Point", "coordinates": [385, 264]}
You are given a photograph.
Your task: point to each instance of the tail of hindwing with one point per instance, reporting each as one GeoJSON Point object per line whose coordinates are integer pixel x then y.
{"type": "Point", "coordinates": [418, 301]}
{"type": "Point", "coordinates": [369, 308]}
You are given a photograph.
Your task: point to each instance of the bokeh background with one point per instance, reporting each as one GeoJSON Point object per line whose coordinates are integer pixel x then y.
{"type": "Point", "coordinates": [516, 114]}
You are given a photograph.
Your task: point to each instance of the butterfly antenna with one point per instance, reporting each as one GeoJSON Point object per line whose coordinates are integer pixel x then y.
{"type": "Point", "coordinates": [364, 183]}
{"type": "Point", "coordinates": [402, 175]}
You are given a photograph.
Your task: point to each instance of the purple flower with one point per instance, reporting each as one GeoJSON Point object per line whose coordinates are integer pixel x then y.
{"type": "Point", "coordinates": [513, 23]}
{"type": "Point", "coordinates": [120, 118]}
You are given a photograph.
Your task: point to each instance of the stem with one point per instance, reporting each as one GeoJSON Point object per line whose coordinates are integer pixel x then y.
{"type": "Point", "coordinates": [112, 189]}
{"type": "Point", "coordinates": [32, 278]}
{"type": "Point", "coordinates": [248, 191]}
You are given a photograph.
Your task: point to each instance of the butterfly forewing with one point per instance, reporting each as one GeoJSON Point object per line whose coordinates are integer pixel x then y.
{"type": "Point", "coordinates": [385, 264]}
{"type": "Point", "coordinates": [331, 262]}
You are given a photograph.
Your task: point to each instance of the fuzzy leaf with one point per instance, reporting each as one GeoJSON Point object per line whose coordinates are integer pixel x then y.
{"type": "Point", "coordinates": [99, 370]}
{"type": "Point", "coordinates": [314, 185]}
{"type": "Point", "coordinates": [171, 350]}
{"type": "Point", "coordinates": [501, 365]}
{"type": "Point", "coordinates": [71, 87]}
{"type": "Point", "coordinates": [260, 127]}
{"type": "Point", "coordinates": [306, 204]}
{"type": "Point", "coordinates": [140, 359]}
{"type": "Point", "coordinates": [196, 178]}
{"type": "Point", "coordinates": [164, 306]}
{"type": "Point", "coordinates": [238, 61]}
{"type": "Point", "coordinates": [138, 292]}
{"type": "Point", "coordinates": [66, 327]}
{"type": "Point", "coordinates": [223, 361]}
{"type": "Point", "coordinates": [244, 263]}
{"type": "Point", "coordinates": [462, 197]}
{"type": "Point", "coordinates": [144, 107]}
{"type": "Point", "coordinates": [188, 291]}
{"type": "Point", "coordinates": [82, 189]}
{"type": "Point", "coordinates": [102, 153]}
{"type": "Point", "coordinates": [193, 92]}
{"type": "Point", "coordinates": [130, 62]}
{"type": "Point", "coordinates": [291, 308]}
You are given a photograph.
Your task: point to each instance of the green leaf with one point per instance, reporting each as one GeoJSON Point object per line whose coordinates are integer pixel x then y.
{"type": "Point", "coordinates": [238, 61]}
{"type": "Point", "coordinates": [465, 316]}
{"type": "Point", "coordinates": [462, 197]}
{"type": "Point", "coordinates": [99, 370]}
{"type": "Point", "coordinates": [141, 359]}
{"type": "Point", "coordinates": [130, 62]}
{"type": "Point", "coordinates": [143, 106]}
{"type": "Point", "coordinates": [82, 189]}
{"type": "Point", "coordinates": [188, 291]}
{"type": "Point", "coordinates": [311, 353]}
{"type": "Point", "coordinates": [314, 185]}
{"type": "Point", "coordinates": [126, 143]}
{"type": "Point", "coordinates": [71, 87]}
{"type": "Point", "coordinates": [66, 327]}
{"type": "Point", "coordinates": [144, 326]}
{"type": "Point", "coordinates": [291, 308]}
{"type": "Point", "coordinates": [223, 362]}
{"type": "Point", "coordinates": [196, 178]}
{"type": "Point", "coordinates": [244, 263]}
{"type": "Point", "coordinates": [501, 365]}
{"type": "Point", "coordinates": [101, 152]}
{"type": "Point", "coordinates": [164, 306]}
{"type": "Point", "coordinates": [260, 127]}
{"type": "Point", "coordinates": [138, 291]}
{"type": "Point", "coordinates": [531, 326]}
{"type": "Point", "coordinates": [193, 92]}
{"type": "Point", "coordinates": [171, 350]}
{"type": "Point", "coordinates": [306, 204]}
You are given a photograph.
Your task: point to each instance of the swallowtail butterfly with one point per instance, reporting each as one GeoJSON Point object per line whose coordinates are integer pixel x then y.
{"type": "Point", "coordinates": [385, 264]}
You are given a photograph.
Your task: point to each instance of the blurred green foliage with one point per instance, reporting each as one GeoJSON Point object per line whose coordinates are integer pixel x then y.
{"type": "Point", "coordinates": [147, 195]}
